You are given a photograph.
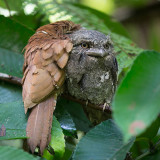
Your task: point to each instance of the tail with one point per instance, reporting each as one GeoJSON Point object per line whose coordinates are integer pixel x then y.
{"type": "Point", "coordinates": [39, 125]}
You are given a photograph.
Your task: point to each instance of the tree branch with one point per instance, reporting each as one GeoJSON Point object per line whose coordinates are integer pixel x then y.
{"type": "Point", "coordinates": [104, 108]}
{"type": "Point", "coordinates": [10, 79]}
{"type": "Point", "coordinates": [17, 81]}
{"type": "Point", "coordinates": [152, 150]}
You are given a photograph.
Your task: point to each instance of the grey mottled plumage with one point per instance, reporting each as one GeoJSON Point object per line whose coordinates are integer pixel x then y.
{"type": "Point", "coordinates": [92, 68]}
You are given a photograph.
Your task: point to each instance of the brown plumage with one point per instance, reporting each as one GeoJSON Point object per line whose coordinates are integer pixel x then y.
{"type": "Point", "coordinates": [46, 55]}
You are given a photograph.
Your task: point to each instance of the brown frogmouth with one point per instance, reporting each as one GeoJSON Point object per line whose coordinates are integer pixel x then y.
{"type": "Point", "coordinates": [64, 57]}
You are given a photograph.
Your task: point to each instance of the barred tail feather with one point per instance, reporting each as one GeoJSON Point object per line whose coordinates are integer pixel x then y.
{"type": "Point", "coordinates": [39, 124]}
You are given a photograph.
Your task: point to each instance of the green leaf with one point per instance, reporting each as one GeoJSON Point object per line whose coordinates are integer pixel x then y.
{"type": "Point", "coordinates": [152, 130]}
{"type": "Point", "coordinates": [69, 149]}
{"type": "Point", "coordinates": [30, 20]}
{"type": "Point", "coordinates": [11, 63]}
{"type": "Point", "coordinates": [76, 111]}
{"type": "Point", "coordinates": [139, 146]}
{"type": "Point", "coordinates": [136, 103]}
{"type": "Point", "coordinates": [11, 153]}
{"type": "Point", "coordinates": [13, 118]}
{"type": "Point", "coordinates": [112, 24]}
{"type": "Point", "coordinates": [9, 93]}
{"type": "Point", "coordinates": [57, 141]}
{"type": "Point", "coordinates": [12, 114]}
{"type": "Point", "coordinates": [102, 142]}
{"type": "Point", "coordinates": [65, 121]}
{"type": "Point", "coordinates": [13, 36]}
{"type": "Point", "coordinates": [126, 52]}
{"type": "Point", "coordinates": [13, 5]}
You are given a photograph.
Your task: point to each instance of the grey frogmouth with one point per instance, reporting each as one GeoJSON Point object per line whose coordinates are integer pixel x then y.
{"type": "Point", "coordinates": [92, 70]}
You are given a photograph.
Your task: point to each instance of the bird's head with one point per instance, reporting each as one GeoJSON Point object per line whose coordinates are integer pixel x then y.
{"type": "Point", "coordinates": [92, 43]}
{"type": "Point", "coordinates": [90, 66]}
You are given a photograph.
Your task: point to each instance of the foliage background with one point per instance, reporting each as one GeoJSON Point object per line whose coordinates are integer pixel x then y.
{"type": "Point", "coordinates": [135, 124]}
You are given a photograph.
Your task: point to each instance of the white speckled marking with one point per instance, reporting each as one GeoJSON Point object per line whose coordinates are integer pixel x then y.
{"type": "Point", "coordinates": [98, 85]}
{"type": "Point", "coordinates": [107, 75]}
{"type": "Point", "coordinates": [102, 78]}
{"type": "Point", "coordinates": [70, 79]}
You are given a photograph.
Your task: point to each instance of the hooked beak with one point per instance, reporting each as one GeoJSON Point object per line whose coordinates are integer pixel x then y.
{"type": "Point", "coordinates": [96, 52]}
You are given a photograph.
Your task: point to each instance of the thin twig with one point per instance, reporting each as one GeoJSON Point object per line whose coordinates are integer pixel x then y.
{"type": "Point", "coordinates": [84, 103]}
{"type": "Point", "coordinates": [10, 79]}
{"type": "Point", "coordinates": [17, 81]}
{"type": "Point", "coordinates": [150, 151]}
{"type": "Point", "coordinates": [7, 5]}
{"type": "Point", "coordinates": [143, 155]}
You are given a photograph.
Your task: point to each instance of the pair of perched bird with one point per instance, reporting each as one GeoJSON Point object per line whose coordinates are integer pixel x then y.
{"type": "Point", "coordinates": [64, 57]}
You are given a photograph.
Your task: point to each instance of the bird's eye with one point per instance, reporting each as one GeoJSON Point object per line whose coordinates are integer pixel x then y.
{"type": "Point", "coordinates": [85, 45]}
{"type": "Point", "coordinates": [106, 46]}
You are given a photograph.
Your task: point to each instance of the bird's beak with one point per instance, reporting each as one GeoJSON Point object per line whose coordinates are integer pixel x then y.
{"type": "Point", "coordinates": [96, 52]}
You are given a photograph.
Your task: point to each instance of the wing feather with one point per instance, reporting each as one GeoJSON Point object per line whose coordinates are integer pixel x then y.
{"type": "Point", "coordinates": [46, 55]}
{"type": "Point", "coordinates": [44, 69]}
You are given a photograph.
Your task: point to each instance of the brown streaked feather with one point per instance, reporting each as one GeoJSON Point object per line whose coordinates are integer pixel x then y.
{"type": "Point", "coordinates": [46, 55]}
{"type": "Point", "coordinates": [45, 72]}
{"type": "Point", "coordinates": [39, 124]}
{"type": "Point", "coordinates": [57, 47]}
{"type": "Point", "coordinates": [52, 69]}
{"type": "Point", "coordinates": [69, 47]}
{"type": "Point", "coordinates": [62, 61]}
{"type": "Point", "coordinates": [37, 60]}
{"type": "Point", "coordinates": [61, 80]}
{"type": "Point", "coordinates": [60, 28]}
{"type": "Point", "coordinates": [47, 122]}
{"type": "Point", "coordinates": [34, 126]}
{"type": "Point", "coordinates": [24, 75]}
{"type": "Point", "coordinates": [58, 75]}
{"type": "Point", "coordinates": [26, 90]}
{"type": "Point", "coordinates": [41, 86]}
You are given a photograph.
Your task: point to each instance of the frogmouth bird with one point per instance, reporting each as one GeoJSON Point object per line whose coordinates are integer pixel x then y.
{"type": "Point", "coordinates": [64, 57]}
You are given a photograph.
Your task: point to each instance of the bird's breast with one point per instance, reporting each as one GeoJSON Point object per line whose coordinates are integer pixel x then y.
{"type": "Point", "coordinates": [90, 78]}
